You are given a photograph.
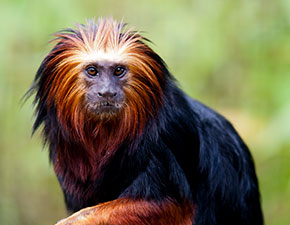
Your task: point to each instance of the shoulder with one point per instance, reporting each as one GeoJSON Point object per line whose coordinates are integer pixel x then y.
{"type": "Point", "coordinates": [209, 117]}
{"type": "Point", "coordinates": [204, 112]}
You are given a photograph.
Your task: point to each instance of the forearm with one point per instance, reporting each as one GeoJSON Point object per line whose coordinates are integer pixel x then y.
{"type": "Point", "coordinates": [126, 211]}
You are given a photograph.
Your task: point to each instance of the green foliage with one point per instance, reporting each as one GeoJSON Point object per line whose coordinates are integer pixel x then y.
{"type": "Point", "coordinates": [232, 55]}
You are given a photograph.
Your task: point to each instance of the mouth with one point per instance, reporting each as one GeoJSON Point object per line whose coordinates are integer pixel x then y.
{"type": "Point", "coordinates": [105, 107]}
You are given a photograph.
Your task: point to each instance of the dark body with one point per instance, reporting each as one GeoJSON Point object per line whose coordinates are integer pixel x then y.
{"type": "Point", "coordinates": [188, 152]}
{"type": "Point", "coordinates": [184, 153]}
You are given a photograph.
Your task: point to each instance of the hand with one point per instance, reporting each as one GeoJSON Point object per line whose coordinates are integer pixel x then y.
{"type": "Point", "coordinates": [87, 216]}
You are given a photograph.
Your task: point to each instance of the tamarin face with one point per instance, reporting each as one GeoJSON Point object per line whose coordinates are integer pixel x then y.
{"type": "Point", "coordinates": [104, 81]}
{"type": "Point", "coordinates": [100, 72]}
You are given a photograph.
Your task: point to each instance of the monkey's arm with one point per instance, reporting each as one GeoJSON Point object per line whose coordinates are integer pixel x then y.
{"type": "Point", "coordinates": [127, 211]}
{"type": "Point", "coordinates": [159, 195]}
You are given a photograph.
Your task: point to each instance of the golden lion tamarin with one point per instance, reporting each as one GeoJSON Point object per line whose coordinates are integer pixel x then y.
{"type": "Point", "coordinates": [128, 146]}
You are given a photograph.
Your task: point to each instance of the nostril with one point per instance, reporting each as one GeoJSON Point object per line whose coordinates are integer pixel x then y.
{"type": "Point", "coordinates": [106, 94]}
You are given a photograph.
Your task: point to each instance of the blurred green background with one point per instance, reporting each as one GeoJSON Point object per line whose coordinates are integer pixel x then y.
{"type": "Point", "coordinates": [232, 55]}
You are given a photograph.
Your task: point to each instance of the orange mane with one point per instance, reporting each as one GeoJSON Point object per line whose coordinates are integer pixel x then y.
{"type": "Point", "coordinates": [60, 85]}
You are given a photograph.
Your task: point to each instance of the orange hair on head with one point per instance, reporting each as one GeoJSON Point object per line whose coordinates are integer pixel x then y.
{"type": "Point", "coordinates": [64, 88]}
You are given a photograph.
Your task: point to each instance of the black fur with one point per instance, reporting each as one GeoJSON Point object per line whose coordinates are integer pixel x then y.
{"type": "Point", "coordinates": [187, 152]}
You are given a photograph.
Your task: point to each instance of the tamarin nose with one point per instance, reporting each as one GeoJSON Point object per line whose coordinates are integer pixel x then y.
{"type": "Point", "coordinates": [107, 94]}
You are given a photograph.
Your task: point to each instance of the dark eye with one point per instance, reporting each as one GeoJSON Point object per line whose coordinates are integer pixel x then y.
{"type": "Point", "coordinates": [92, 71]}
{"type": "Point", "coordinates": [119, 71]}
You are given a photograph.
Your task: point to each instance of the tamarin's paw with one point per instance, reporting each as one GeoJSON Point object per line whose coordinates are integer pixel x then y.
{"type": "Point", "coordinates": [85, 216]}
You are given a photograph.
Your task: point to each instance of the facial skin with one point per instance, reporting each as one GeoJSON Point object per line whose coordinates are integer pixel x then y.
{"type": "Point", "coordinates": [104, 81]}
